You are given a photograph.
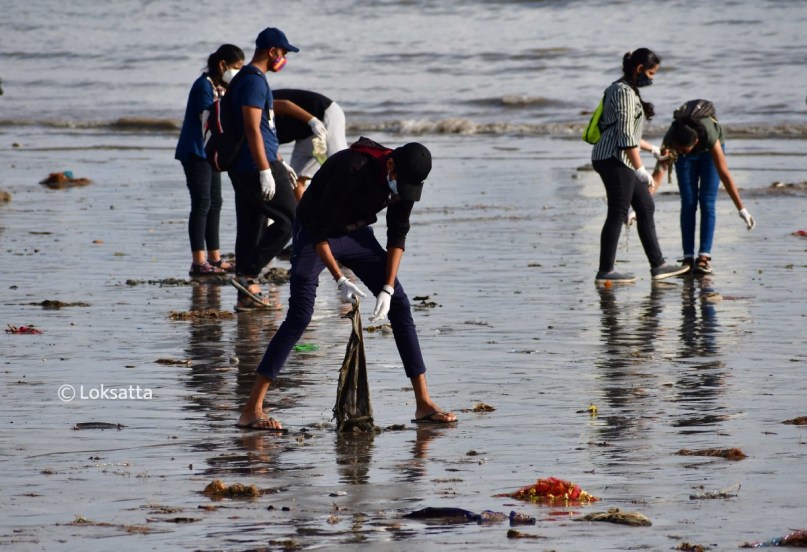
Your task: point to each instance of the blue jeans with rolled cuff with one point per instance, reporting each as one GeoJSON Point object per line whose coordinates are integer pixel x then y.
{"type": "Point", "coordinates": [698, 183]}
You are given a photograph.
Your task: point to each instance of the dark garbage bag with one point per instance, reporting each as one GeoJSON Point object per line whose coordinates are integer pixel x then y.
{"type": "Point", "coordinates": [353, 411]}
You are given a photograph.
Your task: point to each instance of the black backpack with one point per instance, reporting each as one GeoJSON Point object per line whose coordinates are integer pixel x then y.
{"type": "Point", "coordinates": [696, 109]}
{"type": "Point", "coordinates": [222, 141]}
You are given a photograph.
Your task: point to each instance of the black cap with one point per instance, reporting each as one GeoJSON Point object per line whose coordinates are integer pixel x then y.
{"type": "Point", "coordinates": [274, 38]}
{"type": "Point", "coordinates": [413, 162]}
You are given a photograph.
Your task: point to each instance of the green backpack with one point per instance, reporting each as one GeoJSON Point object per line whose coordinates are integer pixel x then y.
{"type": "Point", "coordinates": [592, 132]}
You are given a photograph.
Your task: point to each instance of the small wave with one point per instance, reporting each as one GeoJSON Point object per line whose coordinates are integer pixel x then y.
{"type": "Point", "coordinates": [450, 125]}
{"type": "Point", "coordinates": [125, 123]}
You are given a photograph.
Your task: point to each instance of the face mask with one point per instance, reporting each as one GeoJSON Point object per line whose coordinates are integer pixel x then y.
{"type": "Point", "coordinates": [278, 64]}
{"type": "Point", "coordinates": [393, 185]}
{"type": "Point", "coordinates": [643, 80]}
{"type": "Point", "coordinates": [228, 75]}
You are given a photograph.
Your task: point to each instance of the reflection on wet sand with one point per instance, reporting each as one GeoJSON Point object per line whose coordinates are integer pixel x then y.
{"type": "Point", "coordinates": [354, 454]}
{"type": "Point", "coordinates": [207, 351]}
{"type": "Point", "coordinates": [639, 336]}
{"type": "Point", "coordinates": [417, 468]}
{"type": "Point", "coordinates": [699, 384]}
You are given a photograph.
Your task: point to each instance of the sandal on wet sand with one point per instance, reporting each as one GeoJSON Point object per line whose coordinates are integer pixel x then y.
{"type": "Point", "coordinates": [258, 424]}
{"type": "Point", "coordinates": [219, 264]}
{"type": "Point", "coordinates": [433, 419]}
{"type": "Point", "coordinates": [205, 269]}
{"type": "Point", "coordinates": [242, 285]}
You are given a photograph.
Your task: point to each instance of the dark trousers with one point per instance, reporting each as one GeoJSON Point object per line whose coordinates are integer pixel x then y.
{"type": "Point", "coordinates": [204, 184]}
{"type": "Point", "coordinates": [256, 244]}
{"type": "Point", "coordinates": [623, 190]}
{"type": "Point", "coordinates": [360, 252]}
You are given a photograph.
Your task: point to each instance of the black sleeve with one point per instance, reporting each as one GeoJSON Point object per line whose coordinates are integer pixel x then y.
{"type": "Point", "coordinates": [398, 223]}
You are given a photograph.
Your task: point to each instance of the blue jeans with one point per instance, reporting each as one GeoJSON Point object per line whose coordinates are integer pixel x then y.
{"type": "Point", "coordinates": [698, 183]}
{"type": "Point", "coordinates": [204, 185]}
{"type": "Point", "coordinates": [360, 252]}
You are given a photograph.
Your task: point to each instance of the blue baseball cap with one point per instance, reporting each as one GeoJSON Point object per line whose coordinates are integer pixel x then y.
{"type": "Point", "coordinates": [271, 37]}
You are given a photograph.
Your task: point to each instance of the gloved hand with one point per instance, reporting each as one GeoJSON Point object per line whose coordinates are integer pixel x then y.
{"type": "Point", "coordinates": [318, 129]}
{"type": "Point", "coordinates": [320, 149]}
{"type": "Point", "coordinates": [348, 289]}
{"type": "Point", "coordinates": [267, 185]}
{"type": "Point", "coordinates": [382, 303]}
{"type": "Point", "coordinates": [746, 216]}
{"type": "Point", "coordinates": [656, 151]}
{"type": "Point", "coordinates": [631, 217]}
{"type": "Point", "coordinates": [644, 176]}
{"type": "Point", "coordinates": [292, 175]}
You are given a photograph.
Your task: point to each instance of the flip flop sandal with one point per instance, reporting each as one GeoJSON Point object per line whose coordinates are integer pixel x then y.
{"type": "Point", "coordinates": [244, 289]}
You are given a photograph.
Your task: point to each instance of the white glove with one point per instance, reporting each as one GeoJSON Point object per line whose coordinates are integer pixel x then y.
{"type": "Point", "coordinates": [631, 217]}
{"type": "Point", "coordinates": [292, 175]}
{"type": "Point", "coordinates": [320, 150]}
{"type": "Point", "coordinates": [318, 129]}
{"type": "Point", "coordinates": [382, 303]}
{"type": "Point", "coordinates": [656, 151]}
{"type": "Point", "coordinates": [746, 216]}
{"type": "Point", "coordinates": [644, 176]}
{"type": "Point", "coordinates": [348, 289]}
{"type": "Point", "coordinates": [267, 185]}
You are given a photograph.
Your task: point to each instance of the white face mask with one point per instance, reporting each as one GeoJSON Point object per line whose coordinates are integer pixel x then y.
{"type": "Point", "coordinates": [393, 185]}
{"type": "Point", "coordinates": [228, 75]}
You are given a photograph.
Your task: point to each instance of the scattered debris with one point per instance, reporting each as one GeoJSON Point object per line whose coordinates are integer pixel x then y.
{"type": "Point", "coordinates": [55, 304]}
{"type": "Point", "coordinates": [84, 522]}
{"type": "Point", "coordinates": [729, 492]}
{"type": "Point", "coordinates": [686, 547]}
{"type": "Point", "coordinates": [728, 454]}
{"type": "Point", "coordinates": [801, 420]}
{"type": "Point", "coordinates": [615, 515]}
{"type": "Point", "coordinates": [218, 490]}
{"type": "Point", "coordinates": [288, 544]}
{"type": "Point", "coordinates": [552, 490]}
{"type": "Point", "coordinates": [460, 515]}
{"type": "Point", "coordinates": [306, 347]}
{"type": "Point", "coordinates": [171, 361]}
{"type": "Point", "coordinates": [796, 539]}
{"type": "Point", "coordinates": [210, 314]}
{"type": "Point", "coordinates": [513, 534]}
{"type": "Point", "coordinates": [97, 425]}
{"type": "Point", "coordinates": [591, 410]}
{"type": "Point", "coordinates": [5, 196]}
{"type": "Point", "coordinates": [62, 180]}
{"type": "Point", "coordinates": [383, 328]}
{"type": "Point", "coordinates": [424, 303]}
{"type": "Point", "coordinates": [482, 407]}
{"type": "Point", "coordinates": [12, 329]}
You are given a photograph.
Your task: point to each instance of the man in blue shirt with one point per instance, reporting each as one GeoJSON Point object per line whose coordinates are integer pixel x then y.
{"type": "Point", "coordinates": [263, 183]}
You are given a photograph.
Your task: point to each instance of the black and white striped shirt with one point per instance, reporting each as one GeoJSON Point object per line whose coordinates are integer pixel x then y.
{"type": "Point", "coordinates": [621, 124]}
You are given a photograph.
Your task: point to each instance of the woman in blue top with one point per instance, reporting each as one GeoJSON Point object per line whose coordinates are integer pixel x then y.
{"type": "Point", "coordinates": [204, 184]}
{"type": "Point", "coordinates": [616, 159]}
{"type": "Point", "coordinates": [697, 144]}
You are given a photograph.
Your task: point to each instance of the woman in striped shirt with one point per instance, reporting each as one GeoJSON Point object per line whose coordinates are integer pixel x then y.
{"type": "Point", "coordinates": [616, 159]}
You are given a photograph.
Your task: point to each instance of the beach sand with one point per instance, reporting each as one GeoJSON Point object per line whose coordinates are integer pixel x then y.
{"type": "Point", "coordinates": [501, 257]}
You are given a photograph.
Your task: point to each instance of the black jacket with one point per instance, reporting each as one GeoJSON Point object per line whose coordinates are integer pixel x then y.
{"type": "Point", "coordinates": [348, 191]}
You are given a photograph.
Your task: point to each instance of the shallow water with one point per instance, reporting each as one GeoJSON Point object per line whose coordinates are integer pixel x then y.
{"type": "Point", "coordinates": [505, 242]}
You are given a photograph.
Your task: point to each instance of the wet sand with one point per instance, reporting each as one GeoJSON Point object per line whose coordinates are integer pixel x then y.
{"type": "Point", "coordinates": [505, 244]}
